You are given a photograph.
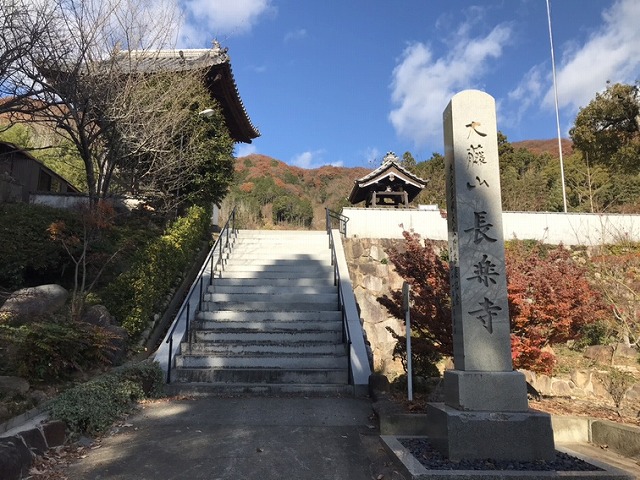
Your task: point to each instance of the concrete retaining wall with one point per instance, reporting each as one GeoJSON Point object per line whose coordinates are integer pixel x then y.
{"type": "Point", "coordinates": [549, 227]}
{"type": "Point", "coordinates": [623, 439]}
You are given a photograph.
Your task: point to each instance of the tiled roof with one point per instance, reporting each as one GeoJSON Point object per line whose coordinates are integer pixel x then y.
{"type": "Point", "coordinates": [390, 166]}
{"type": "Point", "coordinates": [173, 60]}
{"type": "Point", "coordinates": [219, 79]}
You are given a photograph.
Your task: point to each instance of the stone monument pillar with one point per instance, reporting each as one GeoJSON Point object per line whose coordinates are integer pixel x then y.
{"type": "Point", "coordinates": [486, 412]}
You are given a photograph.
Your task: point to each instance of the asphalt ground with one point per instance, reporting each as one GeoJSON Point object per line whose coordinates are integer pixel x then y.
{"type": "Point", "coordinates": [243, 438]}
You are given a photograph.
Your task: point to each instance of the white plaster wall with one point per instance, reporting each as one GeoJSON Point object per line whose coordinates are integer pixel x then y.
{"type": "Point", "coordinates": [58, 200]}
{"type": "Point", "coordinates": [549, 227]}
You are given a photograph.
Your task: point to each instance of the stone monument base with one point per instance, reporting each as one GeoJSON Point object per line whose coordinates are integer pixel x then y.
{"type": "Point", "coordinates": [486, 391]}
{"type": "Point", "coordinates": [518, 436]}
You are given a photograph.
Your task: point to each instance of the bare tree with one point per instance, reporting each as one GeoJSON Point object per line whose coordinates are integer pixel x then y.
{"type": "Point", "coordinates": [22, 28]}
{"type": "Point", "coordinates": [97, 74]}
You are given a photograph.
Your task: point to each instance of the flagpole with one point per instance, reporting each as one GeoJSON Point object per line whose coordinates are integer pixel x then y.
{"type": "Point", "coordinates": [555, 90]}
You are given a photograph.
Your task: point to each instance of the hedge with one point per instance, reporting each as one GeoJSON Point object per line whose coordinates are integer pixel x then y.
{"type": "Point", "coordinates": [138, 293]}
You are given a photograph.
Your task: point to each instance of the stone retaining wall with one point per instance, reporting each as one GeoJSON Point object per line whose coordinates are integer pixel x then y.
{"type": "Point", "coordinates": [590, 382]}
{"type": "Point", "coordinates": [18, 451]}
{"type": "Point", "coordinates": [373, 276]}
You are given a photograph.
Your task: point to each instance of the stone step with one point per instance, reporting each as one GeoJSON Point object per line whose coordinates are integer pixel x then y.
{"type": "Point", "coordinates": [219, 287]}
{"type": "Point", "coordinates": [264, 375]}
{"type": "Point", "coordinates": [270, 306]}
{"type": "Point", "coordinates": [312, 240]}
{"type": "Point", "coordinates": [278, 298]}
{"type": "Point", "coordinates": [290, 236]}
{"type": "Point", "coordinates": [266, 261]}
{"type": "Point", "coordinates": [273, 336]}
{"type": "Point", "coordinates": [321, 255]}
{"type": "Point", "coordinates": [250, 347]}
{"type": "Point", "coordinates": [244, 233]}
{"type": "Point", "coordinates": [266, 325]}
{"type": "Point", "coordinates": [323, 277]}
{"type": "Point", "coordinates": [327, 316]}
{"type": "Point", "coordinates": [274, 282]}
{"type": "Point", "coordinates": [259, 389]}
{"type": "Point", "coordinates": [305, 269]}
{"type": "Point", "coordinates": [254, 360]}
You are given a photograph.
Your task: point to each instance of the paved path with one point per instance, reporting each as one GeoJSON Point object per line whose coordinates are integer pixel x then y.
{"type": "Point", "coordinates": [244, 438]}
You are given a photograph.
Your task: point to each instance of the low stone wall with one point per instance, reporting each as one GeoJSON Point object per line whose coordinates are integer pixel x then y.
{"type": "Point", "coordinates": [17, 451]}
{"type": "Point", "coordinates": [588, 382]}
{"type": "Point", "coordinates": [372, 276]}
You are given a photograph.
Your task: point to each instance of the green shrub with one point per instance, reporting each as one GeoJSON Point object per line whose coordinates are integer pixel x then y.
{"type": "Point", "coordinates": [139, 292]}
{"type": "Point", "coordinates": [94, 406]}
{"type": "Point", "coordinates": [617, 382]}
{"type": "Point", "coordinates": [292, 210]}
{"type": "Point", "coordinates": [147, 374]}
{"type": "Point", "coordinates": [596, 333]}
{"type": "Point", "coordinates": [50, 350]}
{"type": "Point", "coordinates": [29, 255]}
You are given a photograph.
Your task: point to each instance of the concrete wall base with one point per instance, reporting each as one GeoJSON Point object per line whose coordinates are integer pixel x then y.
{"type": "Point", "coordinates": [501, 435]}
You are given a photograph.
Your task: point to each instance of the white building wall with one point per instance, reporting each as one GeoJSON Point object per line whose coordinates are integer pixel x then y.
{"type": "Point", "coordinates": [549, 227]}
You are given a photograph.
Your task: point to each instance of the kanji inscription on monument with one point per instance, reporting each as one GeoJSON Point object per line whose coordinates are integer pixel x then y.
{"type": "Point", "coordinates": [476, 244]}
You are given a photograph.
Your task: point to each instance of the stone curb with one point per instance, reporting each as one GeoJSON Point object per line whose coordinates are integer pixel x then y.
{"type": "Point", "coordinates": [620, 438]}
{"type": "Point", "coordinates": [20, 420]}
{"type": "Point", "coordinates": [18, 451]}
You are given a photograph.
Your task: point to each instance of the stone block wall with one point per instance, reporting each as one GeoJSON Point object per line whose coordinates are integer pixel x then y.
{"type": "Point", "coordinates": [588, 382]}
{"type": "Point", "coordinates": [373, 276]}
{"type": "Point", "coordinates": [17, 451]}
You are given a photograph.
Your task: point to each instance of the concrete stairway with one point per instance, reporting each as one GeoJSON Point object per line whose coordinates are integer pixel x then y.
{"type": "Point", "coordinates": [270, 323]}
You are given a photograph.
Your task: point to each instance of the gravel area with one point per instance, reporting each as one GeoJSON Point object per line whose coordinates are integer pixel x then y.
{"type": "Point", "coordinates": [422, 450]}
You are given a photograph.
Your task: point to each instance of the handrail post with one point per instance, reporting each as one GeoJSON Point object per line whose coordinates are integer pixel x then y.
{"type": "Point", "coordinates": [326, 219]}
{"type": "Point", "coordinates": [211, 270]}
{"type": "Point", "coordinates": [170, 359]}
{"type": "Point", "coordinates": [187, 324]}
{"type": "Point", "coordinates": [220, 254]}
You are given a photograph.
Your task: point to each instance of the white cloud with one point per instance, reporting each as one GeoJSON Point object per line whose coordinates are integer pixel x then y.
{"type": "Point", "coordinates": [527, 93]}
{"type": "Point", "coordinates": [258, 68]}
{"type": "Point", "coordinates": [244, 149]}
{"type": "Point", "coordinates": [295, 34]}
{"type": "Point", "coordinates": [611, 53]}
{"type": "Point", "coordinates": [312, 159]}
{"type": "Point", "coordinates": [422, 85]}
{"type": "Point", "coordinates": [372, 157]}
{"type": "Point", "coordinates": [215, 18]}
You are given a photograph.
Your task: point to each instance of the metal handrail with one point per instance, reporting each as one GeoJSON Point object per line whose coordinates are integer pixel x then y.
{"type": "Point", "coordinates": [222, 243]}
{"type": "Point", "coordinates": [346, 334]}
{"type": "Point", "coordinates": [342, 225]}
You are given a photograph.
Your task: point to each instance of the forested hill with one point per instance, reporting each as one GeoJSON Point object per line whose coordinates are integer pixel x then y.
{"type": "Point", "coordinates": [538, 147]}
{"type": "Point", "coordinates": [272, 194]}
{"type": "Point", "coordinates": [269, 192]}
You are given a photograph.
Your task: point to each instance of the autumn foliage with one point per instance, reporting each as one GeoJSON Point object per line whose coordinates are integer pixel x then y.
{"type": "Point", "coordinates": [550, 299]}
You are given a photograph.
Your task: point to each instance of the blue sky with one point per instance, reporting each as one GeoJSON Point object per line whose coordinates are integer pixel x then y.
{"type": "Point", "coordinates": [342, 82]}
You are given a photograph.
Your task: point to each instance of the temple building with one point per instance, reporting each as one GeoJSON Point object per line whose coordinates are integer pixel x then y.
{"type": "Point", "coordinates": [389, 185]}
{"type": "Point", "coordinates": [219, 81]}
{"type": "Point", "coordinates": [214, 62]}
